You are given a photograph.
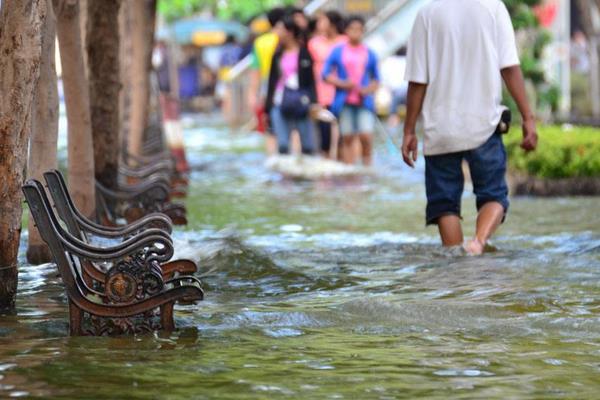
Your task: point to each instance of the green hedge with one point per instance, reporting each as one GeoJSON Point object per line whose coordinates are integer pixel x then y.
{"type": "Point", "coordinates": [562, 152]}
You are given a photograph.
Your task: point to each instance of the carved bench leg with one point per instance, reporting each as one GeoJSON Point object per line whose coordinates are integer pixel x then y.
{"type": "Point", "coordinates": [75, 320]}
{"type": "Point", "coordinates": [166, 317]}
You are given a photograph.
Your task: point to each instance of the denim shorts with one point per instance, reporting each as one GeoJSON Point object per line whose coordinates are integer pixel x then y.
{"type": "Point", "coordinates": [283, 127]}
{"type": "Point", "coordinates": [444, 180]}
{"type": "Point", "coordinates": [356, 119]}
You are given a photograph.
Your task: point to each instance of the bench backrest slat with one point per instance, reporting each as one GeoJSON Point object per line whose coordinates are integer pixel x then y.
{"type": "Point", "coordinates": [48, 232]}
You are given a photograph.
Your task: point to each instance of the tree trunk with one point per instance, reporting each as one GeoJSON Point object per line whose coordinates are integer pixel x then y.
{"type": "Point", "coordinates": [83, 18]}
{"type": "Point", "coordinates": [104, 79]}
{"type": "Point", "coordinates": [125, 51]}
{"type": "Point", "coordinates": [44, 129]}
{"type": "Point", "coordinates": [80, 159]}
{"type": "Point", "coordinates": [21, 24]}
{"type": "Point", "coordinates": [143, 15]}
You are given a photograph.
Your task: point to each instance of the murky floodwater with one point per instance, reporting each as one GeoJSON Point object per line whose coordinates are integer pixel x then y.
{"type": "Point", "coordinates": [335, 289]}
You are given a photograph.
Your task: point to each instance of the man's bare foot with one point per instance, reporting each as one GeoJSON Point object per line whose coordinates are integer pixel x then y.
{"type": "Point", "coordinates": [474, 247]}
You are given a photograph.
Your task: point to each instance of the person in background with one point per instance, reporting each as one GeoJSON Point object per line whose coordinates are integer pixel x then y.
{"type": "Point", "coordinates": [580, 55]}
{"type": "Point", "coordinates": [392, 72]}
{"type": "Point", "coordinates": [352, 69]}
{"type": "Point", "coordinates": [230, 55]}
{"type": "Point", "coordinates": [329, 27]}
{"type": "Point", "coordinates": [456, 87]}
{"type": "Point", "coordinates": [262, 54]}
{"type": "Point", "coordinates": [312, 27]}
{"type": "Point", "coordinates": [165, 64]}
{"type": "Point", "coordinates": [247, 46]}
{"type": "Point", "coordinates": [302, 21]}
{"type": "Point", "coordinates": [291, 89]}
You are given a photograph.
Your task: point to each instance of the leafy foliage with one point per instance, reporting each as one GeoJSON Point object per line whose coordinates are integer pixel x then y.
{"type": "Point", "coordinates": [224, 9]}
{"type": "Point", "coordinates": [533, 40]}
{"type": "Point", "coordinates": [561, 153]}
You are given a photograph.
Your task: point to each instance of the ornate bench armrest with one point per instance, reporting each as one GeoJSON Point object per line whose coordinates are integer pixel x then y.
{"type": "Point", "coordinates": [146, 159]}
{"type": "Point", "coordinates": [155, 220]}
{"type": "Point", "coordinates": [146, 247]}
{"type": "Point", "coordinates": [64, 204]}
{"type": "Point", "coordinates": [162, 166]}
{"type": "Point", "coordinates": [157, 190]}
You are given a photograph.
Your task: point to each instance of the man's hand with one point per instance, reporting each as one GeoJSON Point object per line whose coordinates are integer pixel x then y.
{"type": "Point", "coordinates": [530, 137]}
{"type": "Point", "coordinates": [369, 89]}
{"type": "Point", "coordinates": [513, 77]}
{"type": "Point", "coordinates": [410, 148]}
{"type": "Point", "coordinates": [346, 85]}
{"type": "Point", "coordinates": [414, 104]}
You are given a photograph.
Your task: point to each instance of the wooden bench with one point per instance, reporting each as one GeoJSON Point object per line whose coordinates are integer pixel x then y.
{"type": "Point", "coordinates": [81, 227]}
{"type": "Point", "coordinates": [134, 297]}
{"type": "Point", "coordinates": [134, 201]}
{"type": "Point", "coordinates": [147, 181]}
{"type": "Point", "coordinates": [155, 156]}
{"type": "Point", "coordinates": [161, 168]}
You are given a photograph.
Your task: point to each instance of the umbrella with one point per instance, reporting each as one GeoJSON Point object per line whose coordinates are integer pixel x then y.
{"type": "Point", "coordinates": [203, 32]}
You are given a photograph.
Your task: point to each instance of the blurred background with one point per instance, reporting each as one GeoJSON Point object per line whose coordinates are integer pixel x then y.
{"type": "Point", "coordinates": [558, 40]}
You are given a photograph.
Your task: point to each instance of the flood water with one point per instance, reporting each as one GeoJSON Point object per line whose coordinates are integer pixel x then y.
{"type": "Point", "coordinates": [335, 290]}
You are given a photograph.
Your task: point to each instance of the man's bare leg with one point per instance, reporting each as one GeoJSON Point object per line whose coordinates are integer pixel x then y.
{"type": "Point", "coordinates": [270, 144]}
{"type": "Point", "coordinates": [295, 143]}
{"type": "Point", "coordinates": [349, 153]}
{"type": "Point", "coordinates": [357, 148]}
{"type": "Point", "coordinates": [450, 230]}
{"type": "Point", "coordinates": [488, 220]}
{"type": "Point", "coordinates": [366, 142]}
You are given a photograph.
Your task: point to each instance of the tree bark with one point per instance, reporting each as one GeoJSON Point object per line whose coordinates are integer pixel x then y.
{"type": "Point", "coordinates": [44, 129]}
{"type": "Point", "coordinates": [21, 24]}
{"type": "Point", "coordinates": [125, 72]}
{"type": "Point", "coordinates": [80, 149]}
{"type": "Point", "coordinates": [143, 16]}
{"type": "Point", "coordinates": [104, 80]}
{"type": "Point", "coordinates": [83, 20]}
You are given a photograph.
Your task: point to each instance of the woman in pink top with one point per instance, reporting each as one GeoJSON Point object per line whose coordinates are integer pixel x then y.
{"type": "Point", "coordinates": [329, 27]}
{"type": "Point", "coordinates": [291, 89]}
{"type": "Point", "coordinates": [352, 68]}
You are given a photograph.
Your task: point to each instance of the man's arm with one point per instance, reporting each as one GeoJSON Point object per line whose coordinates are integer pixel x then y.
{"type": "Point", "coordinates": [253, 89]}
{"type": "Point", "coordinates": [255, 80]}
{"type": "Point", "coordinates": [414, 105]}
{"type": "Point", "coordinates": [330, 77]}
{"type": "Point", "coordinates": [373, 85]}
{"type": "Point", "coordinates": [339, 83]}
{"type": "Point", "coordinates": [513, 77]}
{"type": "Point", "coordinates": [371, 88]}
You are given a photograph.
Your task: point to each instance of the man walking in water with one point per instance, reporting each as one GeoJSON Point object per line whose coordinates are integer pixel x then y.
{"type": "Point", "coordinates": [458, 54]}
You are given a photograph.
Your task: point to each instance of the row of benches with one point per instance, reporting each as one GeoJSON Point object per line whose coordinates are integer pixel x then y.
{"type": "Point", "coordinates": [118, 279]}
{"type": "Point", "coordinates": [148, 182]}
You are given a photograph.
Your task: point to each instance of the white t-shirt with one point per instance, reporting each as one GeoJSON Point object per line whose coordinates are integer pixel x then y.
{"type": "Point", "coordinates": [457, 48]}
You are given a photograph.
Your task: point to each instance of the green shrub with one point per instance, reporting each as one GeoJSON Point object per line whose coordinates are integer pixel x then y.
{"type": "Point", "coordinates": [561, 153]}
